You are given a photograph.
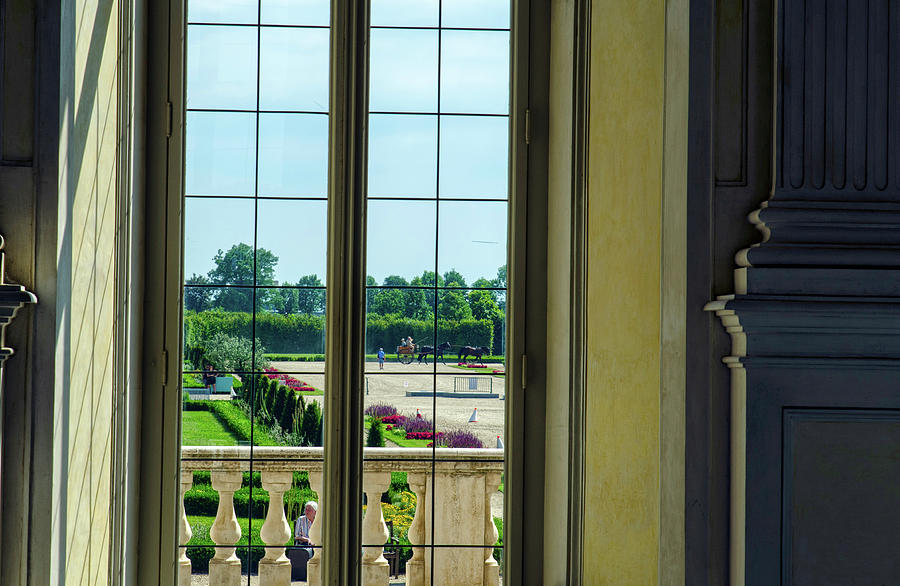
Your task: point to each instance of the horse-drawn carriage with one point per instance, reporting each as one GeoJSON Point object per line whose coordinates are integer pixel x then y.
{"type": "Point", "coordinates": [405, 353]}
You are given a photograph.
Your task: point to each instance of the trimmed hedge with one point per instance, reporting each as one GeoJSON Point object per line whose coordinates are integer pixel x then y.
{"type": "Point", "coordinates": [234, 419]}
{"type": "Point", "coordinates": [303, 334]}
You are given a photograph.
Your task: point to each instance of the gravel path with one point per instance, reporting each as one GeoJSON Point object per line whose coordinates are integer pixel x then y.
{"type": "Point", "coordinates": [391, 384]}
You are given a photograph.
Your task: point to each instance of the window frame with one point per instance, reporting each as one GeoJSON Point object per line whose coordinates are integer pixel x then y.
{"type": "Point", "coordinates": [162, 340]}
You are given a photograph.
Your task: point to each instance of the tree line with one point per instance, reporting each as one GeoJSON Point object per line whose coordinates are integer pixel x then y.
{"type": "Point", "coordinates": [452, 299]}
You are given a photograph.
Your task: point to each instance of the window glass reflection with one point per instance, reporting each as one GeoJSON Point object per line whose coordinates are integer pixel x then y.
{"type": "Point", "coordinates": [294, 69]}
{"type": "Point", "coordinates": [404, 12]}
{"type": "Point", "coordinates": [225, 11]}
{"type": "Point", "coordinates": [220, 153]}
{"type": "Point", "coordinates": [213, 228]}
{"type": "Point", "coordinates": [294, 232]}
{"type": "Point", "coordinates": [472, 238]}
{"type": "Point", "coordinates": [400, 238]}
{"type": "Point", "coordinates": [475, 72]}
{"type": "Point", "coordinates": [221, 63]}
{"type": "Point", "coordinates": [474, 156]}
{"type": "Point", "coordinates": [402, 155]}
{"type": "Point", "coordinates": [475, 14]}
{"type": "Point", "coordinates": [293, 155]}
{"type": "Point", "coordinates": [297, 12]}
{"type": "Point", "coordinates": [403, 70]}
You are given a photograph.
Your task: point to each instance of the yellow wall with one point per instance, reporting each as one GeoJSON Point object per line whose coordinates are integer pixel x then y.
{"type": "Point", "coordinates": [621, 523]}
{"type": "Point", "coordinates": [86, 289]}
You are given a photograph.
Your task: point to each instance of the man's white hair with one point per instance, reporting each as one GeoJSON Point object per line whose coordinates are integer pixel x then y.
{"type": "Point", "coordinates": [313, 504]}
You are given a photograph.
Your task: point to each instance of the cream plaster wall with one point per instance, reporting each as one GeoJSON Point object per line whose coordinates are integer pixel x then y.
{"type": "Point", "coordinates": [622, 455]}
{"type": "Point", "coordinates": [86, 291]}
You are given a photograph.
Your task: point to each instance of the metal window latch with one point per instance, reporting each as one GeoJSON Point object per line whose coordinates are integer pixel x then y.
{"type": "Point", "coordinates": [527, 126]}
{"type": "Point", "coordinates": [524, 369]}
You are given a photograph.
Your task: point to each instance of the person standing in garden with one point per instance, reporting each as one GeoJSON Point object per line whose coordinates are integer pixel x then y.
{"type": "Point", "coordinates": [209, 378]}
{"type": "Point", "coordinates": [381, 359]}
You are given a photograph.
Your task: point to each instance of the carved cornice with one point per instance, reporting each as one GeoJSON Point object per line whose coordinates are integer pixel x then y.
{"type": "Point", "coordinates": [12, 297]}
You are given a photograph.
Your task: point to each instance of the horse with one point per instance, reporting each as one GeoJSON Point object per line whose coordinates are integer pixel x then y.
{"type": "Point", "coordinates": [438, 352]}
{"type": "Point", "coordinates": [474, 352]}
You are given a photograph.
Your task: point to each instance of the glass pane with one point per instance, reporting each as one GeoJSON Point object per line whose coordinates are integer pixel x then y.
{"type": "Point", "coordinates": [395, 316]}
{"type": "Point", "coordinates": [230, 11]}
{"type": "Point", "coordinates": [221, 62]}
{"type": "Point", "coordinates": [287, 409]}
{"type": "Point", "coordinates": [403, 404]}
{"type": "Point", "coordinates": [293, 155]}
{"type": "Point", "coordinates": [290, 325]}
{"type": "Point", "coordinates": [404, 13]}
{"type": "Point", "coordinates": [294, 231]}
{"type": "Point", "coordinates": [220, 153]}
{"type": "Point", "coordinates": [400, 238]}
{"type": "Point", "coordinates": [402, 155]}
{"type": "Point", "coordinates": [474, 156]}
{"type": "Point", "coordinates": [302, 12]}
{"type": "Point", "coordinates": [472, 239]}
{"type": "Point", "coordinates": [403, 75]}
{"type": "Point", "coordinates": [216, 231]}
{"type": "Point", "coordinates": [470, 411]}
{"type": "Point", "coordinates": [217, 328]}
{"type": "Point", "coordinates": [294, 69]}
{"type": "Point", "coordinates": [475, 14]}
{"type": "Point", "coordinates": [475, 72]}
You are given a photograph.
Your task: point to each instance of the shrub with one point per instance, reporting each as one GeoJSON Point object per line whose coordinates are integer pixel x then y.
{"type": "Point", "coordinates": [281, 394]}
{"type": "Point", "coordinates": [311, 428]}
{"type": "Point", "coordinates": [374, 437]}
{"type": "Point", "coordinates": [417, 424]}
{"type": "Point", "coordinates": [393, 419]}
{"type": "Point", "coordinates": [230, 353]}
{"type": "Point", "coordinates": [423, 435]}
{"type": "Point", "coordinates": [289, 412]}
{"type": "Point", "coordinates": [458, 438]}
{"type": "Point", "coordinates": [381, 410]}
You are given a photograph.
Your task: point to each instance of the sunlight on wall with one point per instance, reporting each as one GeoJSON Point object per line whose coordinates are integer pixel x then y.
{"type": "Point", "coordinates": [87, 216]}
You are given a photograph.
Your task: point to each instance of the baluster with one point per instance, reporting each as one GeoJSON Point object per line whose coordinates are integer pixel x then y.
{"type": "Point", "coordinates": [184, 532]}
{"type": "Point", "coordinates": [225, 567]}
{"type": "Point", "coordinates": [415, 567]}
{"type": "Point", "coordinates": [491, 567]}
{"type": "Point", "coordinates": [314, 565]}
{"type": "Point", "coordinates": [375, 569]}
{"type": "Point", "coordinates": [275, 567]}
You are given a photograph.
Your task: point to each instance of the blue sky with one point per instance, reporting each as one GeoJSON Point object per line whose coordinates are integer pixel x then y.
{"type": "Point", "coordinates": [403, 149]}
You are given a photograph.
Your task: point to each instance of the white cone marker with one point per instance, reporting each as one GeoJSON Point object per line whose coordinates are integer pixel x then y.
{"type": "Point", "coordinates": [499, 443]}
{"type": "Point", "coordinates": [474, 417]}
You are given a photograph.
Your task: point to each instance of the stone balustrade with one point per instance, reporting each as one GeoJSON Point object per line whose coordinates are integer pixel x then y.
{"type": "Point", "coordinates": [453, 507]}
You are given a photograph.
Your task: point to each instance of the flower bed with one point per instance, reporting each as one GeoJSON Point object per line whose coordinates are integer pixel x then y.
{"type": "Point", "coordinates": [290, 382]}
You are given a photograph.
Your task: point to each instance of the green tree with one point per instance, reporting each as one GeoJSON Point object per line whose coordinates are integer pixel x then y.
{"type": "Point", "coordinates": [370, 292]}
{"type": "Point", "coordinates": [197, 298]}
{"type": "Point", "coordinates": [453, 306]}
{"type": "Point", "coordinates": [309, 298]}
{"type": "Point", "coordinates": [230, 353]}
{"type": "Point", "coordinates": [281, 397]}
{"type": "Point", "coordinates": [453, 278]}
{"type": "Point", "coordinates": [375, 437]}
{"type": "Point", "coordinates": [428, 280]}
{"type": "Point", "coordinates": [311, 428]}
{"type": "Point", "coordinates": [484, 306]}
{"type": "Point", "coordinates": [235, 267]}
{"type": "Point", "coordinates": [288, 412]}
{"type": "Point", "coordinates": [387, 301]}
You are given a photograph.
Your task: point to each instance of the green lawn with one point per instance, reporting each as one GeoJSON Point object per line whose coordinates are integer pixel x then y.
{"type": "Point", "coordinates": [202, 428]}
{"type": "Point", "coordinates": [399, 438]}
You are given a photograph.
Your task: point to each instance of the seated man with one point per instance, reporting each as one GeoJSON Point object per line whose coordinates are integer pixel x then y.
{"type": "Point", "coordinates": [302, 525]}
